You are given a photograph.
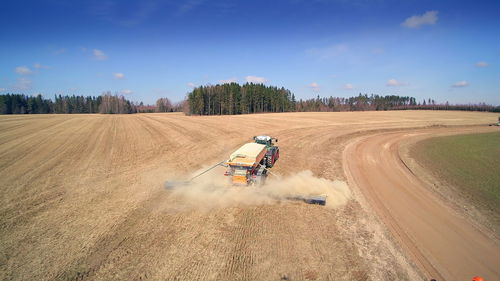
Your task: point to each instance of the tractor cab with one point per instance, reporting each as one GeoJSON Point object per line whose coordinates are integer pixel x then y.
{"type": "Point", "coordinates": [273, 152]}
{"type": "Point", "coordinates": [265, 140]}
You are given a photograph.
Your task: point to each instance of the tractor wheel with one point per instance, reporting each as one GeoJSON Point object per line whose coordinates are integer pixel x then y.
{"type": "Point", "coordinates": [269, 161]}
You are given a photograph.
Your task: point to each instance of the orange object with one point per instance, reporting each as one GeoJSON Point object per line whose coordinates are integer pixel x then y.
{"type": "Point", "coordinates": [240, 180]}
{"type": "Point", "coordinates": [478, 278]}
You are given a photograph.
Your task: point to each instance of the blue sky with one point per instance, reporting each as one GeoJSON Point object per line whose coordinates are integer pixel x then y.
{"type": "Point", "coordinates": [446, 50]}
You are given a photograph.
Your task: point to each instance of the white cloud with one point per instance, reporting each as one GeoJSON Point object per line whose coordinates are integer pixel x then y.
{"type": "Point", "coordinates": [126, 92]}
{"type": "Point", "coordinates": [23, 70]}
{"type": "Point", "coordinates": [228, 81]}
{"type": "Point", "coordinates": [460, 84]}
{"type": "Point", "coordinates": [255, 79]}
{"type": "Point", "coordinates": [328, 52]}
{"type": "Point", "coordinates": [482, 64]}
{"type": "Point", "coordinates": [429, 17]}
{"type": "Point", "coordinates": [118, 75]}
{"type": "Point", "coordinates": [2, 89]}
{"type": "Point", "coordinates": [394, 83]}
{"type": "Point", "coordinates": [348, 86]}
{"type": "Point", "coordinates": [314, 86]}
{"type": "Point", "coordinates": [191, 85]}
{"type": "Point", "coordinates": [23, 83]}
{"type": "Point", "coordinates": [39, 66]}
{"type": "Point", "coordinates": [99, 55]}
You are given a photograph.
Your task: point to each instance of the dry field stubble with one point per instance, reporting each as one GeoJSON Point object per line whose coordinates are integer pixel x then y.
{"type": "Point", "coordinates": [83, 199]}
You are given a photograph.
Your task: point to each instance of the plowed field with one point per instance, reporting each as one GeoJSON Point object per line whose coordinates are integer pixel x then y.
{"type": "Point", "coordinates": [83, 198]}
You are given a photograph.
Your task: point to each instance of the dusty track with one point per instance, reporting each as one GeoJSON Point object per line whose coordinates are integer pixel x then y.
{"type": "Point", "coordinates": [446, 245]}
{"type": "Point", "coordinates": [83, 199]}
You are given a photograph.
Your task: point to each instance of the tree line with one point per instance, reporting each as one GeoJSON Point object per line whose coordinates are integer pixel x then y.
{"type": "Point", "coordinates": [362, 102]}
{"type": "Point", "coordinates": [106, 103]}
{"type": "Point", "coordinates": [234, 98]}
{"type": "Point", "coordinates": [256, 98]}
{"type": "Point", "coordinates": [21, 104]}
{"type": "Point", "coordinates": [223, 99]}
{"type": "Point", "coordinates": [365, 102]}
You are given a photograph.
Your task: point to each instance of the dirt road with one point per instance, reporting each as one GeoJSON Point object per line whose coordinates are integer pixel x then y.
{"type": "Point", "coordinates": [83, 199]}
{"type": "Point", "coordinates": [443, 243]}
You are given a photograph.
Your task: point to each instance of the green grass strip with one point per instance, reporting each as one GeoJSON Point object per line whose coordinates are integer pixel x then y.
{"type": "Point", "coordinates": [470, 163]}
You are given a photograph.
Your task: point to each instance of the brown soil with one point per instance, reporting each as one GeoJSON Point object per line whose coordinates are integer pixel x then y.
{"type": "Point", "coordinates": [83, 199]}
{"type": "Point", "coordinates": [446, 244]}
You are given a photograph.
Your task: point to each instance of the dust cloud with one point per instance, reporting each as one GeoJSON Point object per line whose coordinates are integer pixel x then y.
{"type": "Point", "coordinates": [215, 191]}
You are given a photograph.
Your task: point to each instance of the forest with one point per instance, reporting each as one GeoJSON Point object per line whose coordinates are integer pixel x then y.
{"type": "Point", "coordinates": [106, 103]}
{"type": "Point", "coordinates": [258, 98]}
{"type": "Point", "coordinates": [236, 99]}
{"type": "Point", "coordinates": [223, 99]}
{"type": "Point", "coordinates": [365, 102]}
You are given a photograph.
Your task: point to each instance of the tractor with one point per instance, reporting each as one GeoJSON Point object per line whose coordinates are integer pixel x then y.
{"type": "Point", "coordinates": [273, 152]}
